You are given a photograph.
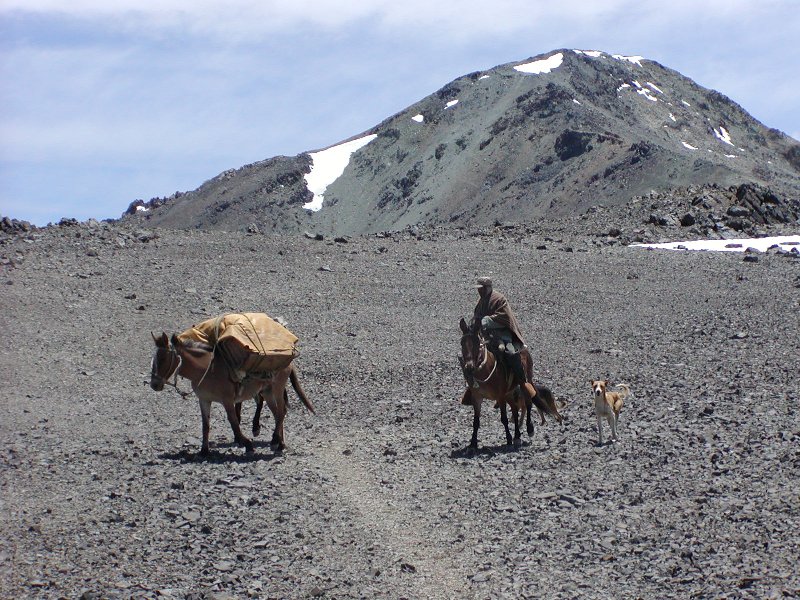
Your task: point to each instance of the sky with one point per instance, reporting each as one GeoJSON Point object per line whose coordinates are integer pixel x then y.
{"type": "Point", "coordinates": [103, 103]}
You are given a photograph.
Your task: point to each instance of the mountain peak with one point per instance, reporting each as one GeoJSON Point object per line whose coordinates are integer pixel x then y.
{"type": "Point", "coordinates": [551, 135]}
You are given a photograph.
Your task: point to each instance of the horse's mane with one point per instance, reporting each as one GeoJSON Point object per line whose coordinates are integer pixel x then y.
{"type": "Point", "coordinates": [191, 344]}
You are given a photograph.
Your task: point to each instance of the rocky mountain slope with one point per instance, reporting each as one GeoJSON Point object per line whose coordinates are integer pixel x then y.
{"type": "Point", "coordinates": [550, 136]}
{"type": "Point", "coordinates": [378, 495]}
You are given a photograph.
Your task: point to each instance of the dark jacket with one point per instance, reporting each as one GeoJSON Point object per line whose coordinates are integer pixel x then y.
{"type": "Point", "coordinates": [497, 307]}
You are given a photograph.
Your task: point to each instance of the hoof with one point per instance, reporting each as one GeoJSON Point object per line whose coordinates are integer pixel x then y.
{"type": "Point", "coordinates": [256, 431]}
{"type": "Point", "coordinates": [517, 442]}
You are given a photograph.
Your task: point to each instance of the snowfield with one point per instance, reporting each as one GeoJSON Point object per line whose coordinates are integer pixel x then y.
{"type": "Point", "coordinates": [786, 242]}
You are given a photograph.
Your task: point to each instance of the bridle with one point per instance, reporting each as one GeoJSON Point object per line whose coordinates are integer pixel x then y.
{"type": "Point", "coordinates": [482, 352]}
{"type": "Point", "coordinates": [175, 362]}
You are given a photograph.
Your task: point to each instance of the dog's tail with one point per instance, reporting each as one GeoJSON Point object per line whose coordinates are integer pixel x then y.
{"type": "Point", "coordinates": [626, 390]}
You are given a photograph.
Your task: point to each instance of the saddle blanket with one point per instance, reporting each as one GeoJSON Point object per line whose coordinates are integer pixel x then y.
{"type": "Point", "coordinates": [251, 343]}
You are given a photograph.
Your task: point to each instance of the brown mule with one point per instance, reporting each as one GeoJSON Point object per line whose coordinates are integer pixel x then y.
{"type": "Point", "coordinates": [212, 381]}
{"type": "Point", "coordinates": [488, 378]}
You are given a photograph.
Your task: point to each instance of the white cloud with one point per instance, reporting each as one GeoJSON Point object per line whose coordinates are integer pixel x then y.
{"type": "Point", "coordinates": [252, 17]}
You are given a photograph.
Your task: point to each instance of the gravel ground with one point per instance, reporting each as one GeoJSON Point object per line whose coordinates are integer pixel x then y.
{"type": "Point", "coordinates": [378, 494]}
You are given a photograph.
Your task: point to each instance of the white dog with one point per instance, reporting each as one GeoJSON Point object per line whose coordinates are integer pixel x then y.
{"type": "Point", "coordinates": [608, 405]}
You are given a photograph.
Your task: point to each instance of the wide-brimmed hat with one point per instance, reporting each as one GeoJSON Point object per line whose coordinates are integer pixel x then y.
{"type": "Point", "coordinates": [483, 282]}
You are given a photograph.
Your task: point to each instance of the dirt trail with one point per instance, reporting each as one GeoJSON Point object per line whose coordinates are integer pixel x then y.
{"type": "Point", "coordinates": [403, 535]}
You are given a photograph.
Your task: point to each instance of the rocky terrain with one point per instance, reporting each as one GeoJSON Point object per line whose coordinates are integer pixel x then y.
{"type": "Point", "coordinates": [378, 495]}
{"type": "Point", "coordinates": [510, 145]}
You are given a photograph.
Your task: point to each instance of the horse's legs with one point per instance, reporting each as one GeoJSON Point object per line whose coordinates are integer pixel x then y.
{"type": "Point", "coordinates": [277, 405]}
{"type": "Point", "coordinates": [257, 417]}
{"type": "Point", "coordinates": [528, 420]}
{"type": "Point", "coordinates": [504, 421]}
{"type": "Point", "coordinates": [517, 434]}
{"type": "Point", "coordinates": [233, 419]}
{"type": "Point", "coordinates": [205, 414]}
{"type": "Point", "coordinates": [476, 421]}
{"type": "Point", "coordinates": [528, 393]}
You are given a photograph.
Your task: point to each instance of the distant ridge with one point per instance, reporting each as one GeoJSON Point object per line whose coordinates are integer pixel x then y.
{"type": "Point", "coordinates": [549, 136]}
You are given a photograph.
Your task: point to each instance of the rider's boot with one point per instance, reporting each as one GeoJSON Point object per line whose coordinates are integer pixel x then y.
{"type": "Point", "coordinates": [515, 362]}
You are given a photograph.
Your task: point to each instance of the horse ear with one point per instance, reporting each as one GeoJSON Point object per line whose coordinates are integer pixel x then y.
{"type": "Point", "coordinates": [175, 340]}
{"type": "Point", "coordinates": [463, 324]}
{"type": "Point", "coordinates": [160, 341]}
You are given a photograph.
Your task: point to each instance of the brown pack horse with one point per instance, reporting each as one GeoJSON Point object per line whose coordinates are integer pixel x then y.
{"type": "Point", "coordinates": [212, 381]}
{"type": "Point", "coordinates": [489, 378]}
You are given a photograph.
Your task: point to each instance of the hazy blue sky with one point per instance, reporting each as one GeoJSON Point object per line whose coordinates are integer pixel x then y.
{"type": "Point", "coordinates": [103, 102]}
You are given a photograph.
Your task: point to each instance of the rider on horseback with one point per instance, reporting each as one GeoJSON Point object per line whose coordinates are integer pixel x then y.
{"type": "Point", "coordinates": [497, 321]}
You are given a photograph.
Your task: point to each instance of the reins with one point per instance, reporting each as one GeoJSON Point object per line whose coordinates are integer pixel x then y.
{"type": "Point", "coordinates": [174, 382]}
{"type": "Point", "coordinates": [485, 360]}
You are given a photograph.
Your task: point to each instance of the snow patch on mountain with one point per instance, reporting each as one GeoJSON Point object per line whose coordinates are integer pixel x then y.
{"type": "Point", "coordinates": [637, 60]}
{"type": "Point", "coordinates": [539, 67]}
{"type": "Point", "coordinates": [591, 53]}
{"type": "Point", "coordinates": [328, 165]}
{"type": "Point", "coordinates": [723, 136]}
{"type": "Point", "coordinates": [789, 243]}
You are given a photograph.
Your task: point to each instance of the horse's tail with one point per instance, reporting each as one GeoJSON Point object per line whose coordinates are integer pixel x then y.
{"type": "Point", "coordinates": [299, 388]}
{"type": "Point", "coordinates": [546, 402]}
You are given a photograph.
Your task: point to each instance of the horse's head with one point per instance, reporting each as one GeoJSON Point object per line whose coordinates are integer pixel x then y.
{"type": "Point", "coordinates": [165, 362]}
{"type": "Point", "coordinates": [471, 348]}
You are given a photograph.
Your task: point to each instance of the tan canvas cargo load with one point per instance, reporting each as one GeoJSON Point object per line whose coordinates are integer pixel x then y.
{"type": "Point", "coordinates": [251, 343]}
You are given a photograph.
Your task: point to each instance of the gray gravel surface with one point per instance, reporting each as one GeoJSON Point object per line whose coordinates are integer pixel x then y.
{"type": "Point", "coordinates": [378, 495]}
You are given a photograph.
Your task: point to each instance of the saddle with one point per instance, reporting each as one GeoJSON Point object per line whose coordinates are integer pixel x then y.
{"type": "Point", "coordinates": [253, 345]}
{"type": "Point", "coordinates": [497, 346]}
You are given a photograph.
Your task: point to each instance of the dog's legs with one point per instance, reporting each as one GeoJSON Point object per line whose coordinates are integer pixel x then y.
{"type": "Point", "coordinates": [600, 430]}
{"type": "Point", "coordinates": [612, 420]}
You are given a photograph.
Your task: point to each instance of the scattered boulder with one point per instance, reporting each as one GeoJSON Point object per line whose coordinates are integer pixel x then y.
{"type": "Point", "coordinates": [14, 226]}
